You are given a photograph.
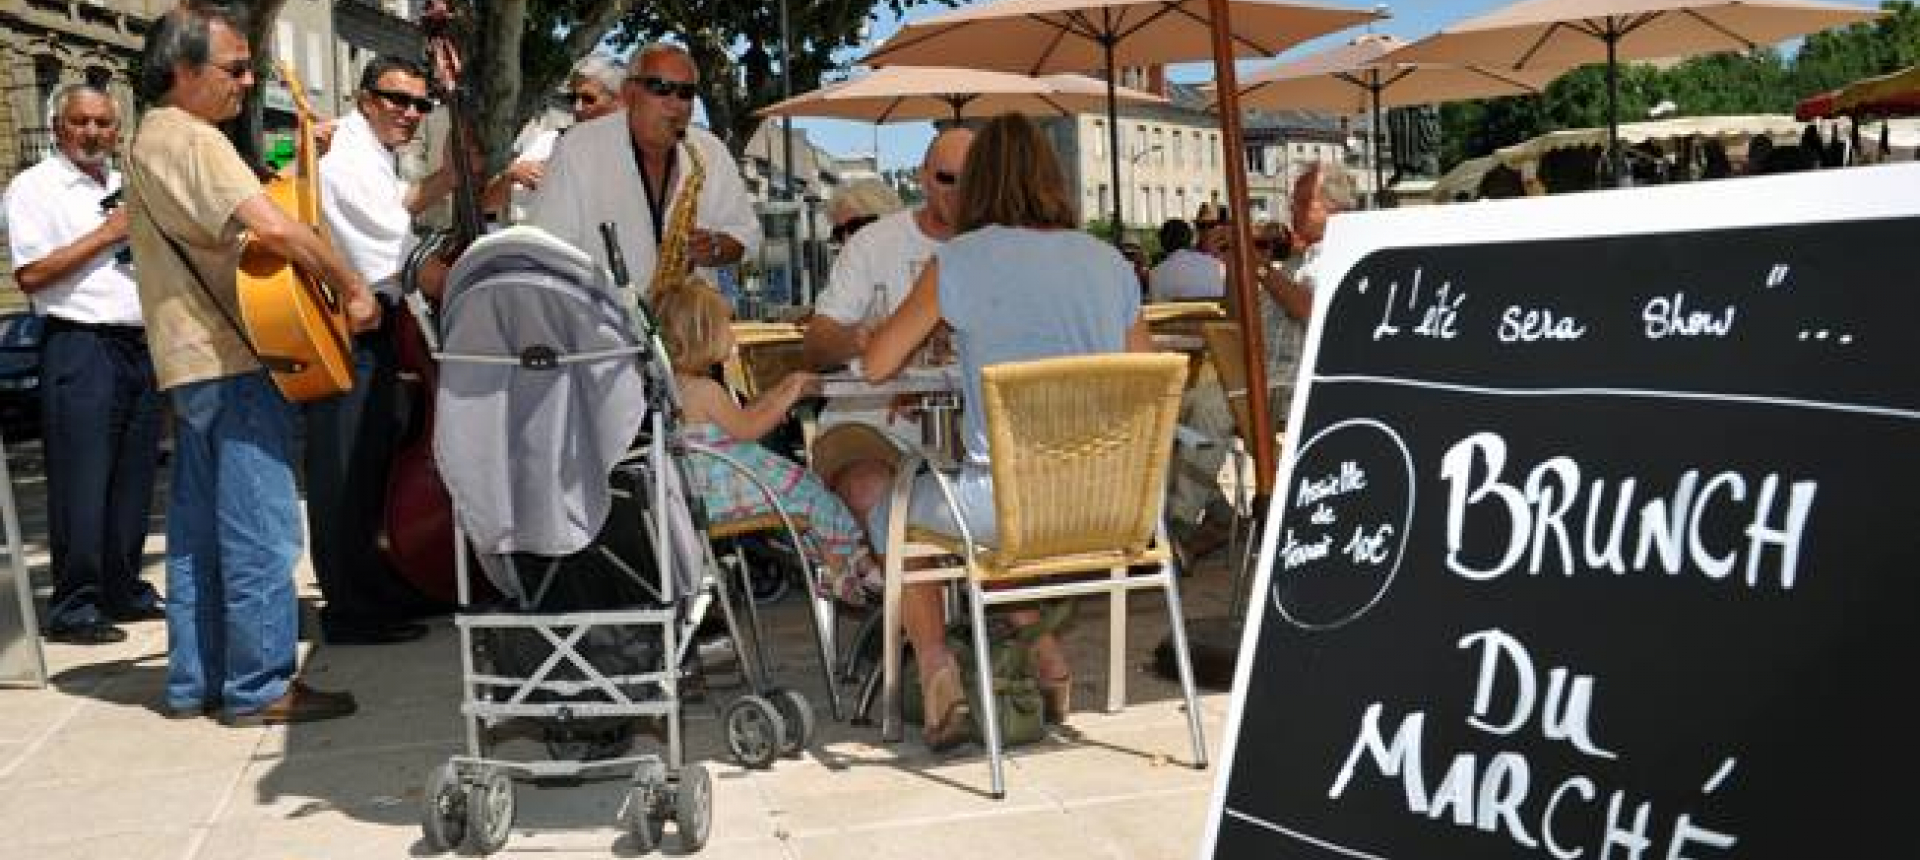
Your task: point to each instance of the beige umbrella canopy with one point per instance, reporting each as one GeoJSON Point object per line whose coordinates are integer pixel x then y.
{"type": "Point", "coordinates": [922, 93]}
{"type": "Point", "coordinates": [1039, 36]}
{"type": "Point", "coordinates": [1560, 34]}
{"type": "Point", "coordinates": [1362, 76]}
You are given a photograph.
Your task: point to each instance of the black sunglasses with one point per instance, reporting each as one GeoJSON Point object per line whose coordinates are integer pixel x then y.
{"type": "Point", "coordinates": [237, 69]}
{"type": "Point", "coordinates": [842, 231]}
{"type": "Point", "coordinates": [945, 178]}
{"type": "Point", "coordinates": [576, 98]}
{"type": "Point", "coordinates": [402, 101]}
{"type": "Point", "coordinates": [683, 90]}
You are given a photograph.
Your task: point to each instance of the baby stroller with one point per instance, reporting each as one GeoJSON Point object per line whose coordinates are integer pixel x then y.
{"type": "Point", "coordinates": [555, 440]}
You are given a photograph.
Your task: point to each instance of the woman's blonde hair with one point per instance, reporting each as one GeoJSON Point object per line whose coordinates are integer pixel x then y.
{"type": "Point", "coordinates": [1013, 178]}
{"type": "Point", "coordinates": [694, 319]}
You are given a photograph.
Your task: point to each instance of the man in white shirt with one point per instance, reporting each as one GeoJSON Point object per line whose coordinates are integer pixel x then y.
{"type": "Point", "coordinates": [870, 279]}
{"type": "Point", "coordinates": [100, 411]}
{"type": "Point", "coordinates": [628, 167]}
{"type": "Point", "coordinates": [1185, 274]}
{"type": "Point", "coordinates": [593, 91]}
{"type": "Point", "coordinates": [351, 437]}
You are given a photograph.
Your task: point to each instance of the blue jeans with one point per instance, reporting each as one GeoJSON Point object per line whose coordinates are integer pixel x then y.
{"type": "Point", "coordinates": [233, 537]}
{"type": "Point", "coordinates": [101, 430]}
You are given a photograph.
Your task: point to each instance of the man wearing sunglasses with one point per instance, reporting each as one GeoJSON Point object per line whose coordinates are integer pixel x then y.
{"type": "Point", "coordinates": [350, 438]}
{"type": "Point", "coordinates": [593, 91]}
{"type": "Point", "coordinates": [871, 277]}
{"type": "Point", "coordinates": [233, 522]}
{"type": "Point", "coordinates": [628, 168]}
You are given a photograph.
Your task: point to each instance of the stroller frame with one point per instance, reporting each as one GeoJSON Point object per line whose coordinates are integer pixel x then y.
{"type": "Point", "coordinates": [469, 798]}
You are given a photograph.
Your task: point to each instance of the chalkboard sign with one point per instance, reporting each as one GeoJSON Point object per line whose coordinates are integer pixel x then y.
{"type": "Point", "coordinates": [1598, 537]}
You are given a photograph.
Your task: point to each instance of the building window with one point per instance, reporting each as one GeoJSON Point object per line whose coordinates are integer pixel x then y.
{"type": "Point", "coordinates": [1179, 148]}
{"type": "Point", "coordinates": [1099, 139]}
{"type": "Point", "coordinates": [1160, 147]}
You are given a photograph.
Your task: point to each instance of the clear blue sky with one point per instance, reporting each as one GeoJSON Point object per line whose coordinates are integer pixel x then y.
{"type": "Point", "coordinates": [901, 144]}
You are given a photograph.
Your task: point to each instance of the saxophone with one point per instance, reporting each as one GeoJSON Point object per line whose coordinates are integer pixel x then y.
{"type": "Point", "coordinates": [673, 269]}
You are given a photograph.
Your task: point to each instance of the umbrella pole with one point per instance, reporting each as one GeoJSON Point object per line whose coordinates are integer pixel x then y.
{"type": "Point", "coordinates": [1214, 644]}
{"type": "Point", "coordinates": [1113, 138]}
{"type": "Point", "coordinates": [1613, 109]}
{"type": "Point", "coordinates": [1373, 146]}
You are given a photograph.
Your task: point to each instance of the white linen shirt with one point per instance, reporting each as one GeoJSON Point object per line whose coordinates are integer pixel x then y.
{"type": "Point", "coordinates": [1188, 274]}
{"type": "Point", "coordinates": [364, 204]}
{"type": "Point", "coordinates": [592, 178]}
{"type": "Point", "coordinates": [49, 206]}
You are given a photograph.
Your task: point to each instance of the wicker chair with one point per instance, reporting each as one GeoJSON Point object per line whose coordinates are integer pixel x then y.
{"type": "Point", "coordinates": [1079, 450]}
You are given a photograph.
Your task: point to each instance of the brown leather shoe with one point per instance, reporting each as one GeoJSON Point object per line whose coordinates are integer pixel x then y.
{"type": "Point", "coordinates": [300, 704]}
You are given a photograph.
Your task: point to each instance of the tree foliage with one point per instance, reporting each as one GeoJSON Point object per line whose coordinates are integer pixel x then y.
{"type": "Point", "coordinates": [1759, 82]}
{"type": "Point", "coordinates": [737, 48]}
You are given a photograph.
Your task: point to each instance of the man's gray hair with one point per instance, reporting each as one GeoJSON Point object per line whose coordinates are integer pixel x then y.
{"type": "Point", "coordinates": [180, 35]}
{"type": "Point", "coordinates": [600, 69]}
{"type": "Point", "coordinates": [652, 48]}
{"type": "Point", "coordinates": [64, 95]}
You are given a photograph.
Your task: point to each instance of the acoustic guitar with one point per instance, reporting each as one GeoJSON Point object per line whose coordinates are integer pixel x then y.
{"type": "Point", "coordinates": [297, 323]}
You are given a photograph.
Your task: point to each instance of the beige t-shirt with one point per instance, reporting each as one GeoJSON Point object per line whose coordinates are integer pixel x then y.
{"type": "Point", "coordinates": [184, 177]}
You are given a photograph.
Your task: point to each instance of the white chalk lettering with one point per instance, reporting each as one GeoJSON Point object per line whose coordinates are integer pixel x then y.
{"type": "Point", "coordinates": [1369, 548]}
{"type": "Point", "coordinates": [1587, 792]}
{"type": "Point", "coordinates": [1295, 554]}
{"type": "Point", "coordinates": [1568, 711]}
{"type": "Point", "coordinates": [1670, 530]}
{"type": "Point", "coordinates": [1526, 325]}
{"type": "Point", "coordinates": [1351, 479]}
{"type": "Point", "coordinates": [1669, 317]}
{"type": "Point", "coordinates": [1634, 841]}
{"type": "Point", "coordinates": [1400, 758]}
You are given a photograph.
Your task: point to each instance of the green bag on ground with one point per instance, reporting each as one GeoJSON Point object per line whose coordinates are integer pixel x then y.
{"type": "Point", "coordinates": [1016, 691]}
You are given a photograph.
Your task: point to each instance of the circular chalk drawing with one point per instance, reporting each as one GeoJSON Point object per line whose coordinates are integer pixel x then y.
{"type": "Point", "coordinates": [1343, 532]}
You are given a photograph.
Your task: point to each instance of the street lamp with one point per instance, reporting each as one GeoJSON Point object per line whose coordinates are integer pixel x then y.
{"type": "Point", "coordinates": [1133, 165]}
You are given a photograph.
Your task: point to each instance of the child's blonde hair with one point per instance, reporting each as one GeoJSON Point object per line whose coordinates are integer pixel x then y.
{"type": "Point", "coordinates": [694, 321]}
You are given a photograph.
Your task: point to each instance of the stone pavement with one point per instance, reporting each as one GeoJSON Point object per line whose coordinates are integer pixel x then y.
{"type": "Point", "coordinates": [89, 769]}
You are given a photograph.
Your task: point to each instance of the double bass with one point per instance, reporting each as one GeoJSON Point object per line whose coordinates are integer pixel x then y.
{"type": "Point", "coordinates": [417, 524]}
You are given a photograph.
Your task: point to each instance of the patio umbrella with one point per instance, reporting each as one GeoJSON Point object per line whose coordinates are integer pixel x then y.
{"type": "Point", "coordinates": [923, 93]}
{"type": "Point", "coordinates": [1038, 36]}
{"type": "Point", "coordinates": [1363, 77]}
{"type": "Point", "coordinates": [1560, 34]}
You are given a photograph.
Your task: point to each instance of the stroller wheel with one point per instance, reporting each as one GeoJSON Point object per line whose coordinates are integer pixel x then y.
{"type": "Point", "coordinates": [443, 814]}
{"type": "Point", "coordinates": [693, 808]}
{"type": "Point", "coordinates": [490, 811]}
{"type": "Point", "coordinates": [642, 813]}
{"type": "Point", "coordinates": [755, 731]}
{"type": "Point", "coordinates": [798, 714]}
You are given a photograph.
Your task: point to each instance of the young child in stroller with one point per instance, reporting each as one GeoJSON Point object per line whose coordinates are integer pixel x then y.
{"type": "Point", "coordinates": [695, 326]}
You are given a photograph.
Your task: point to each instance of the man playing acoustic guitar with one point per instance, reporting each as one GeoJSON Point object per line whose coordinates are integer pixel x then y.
{"type": "Point", "coordinates": [233, 520]}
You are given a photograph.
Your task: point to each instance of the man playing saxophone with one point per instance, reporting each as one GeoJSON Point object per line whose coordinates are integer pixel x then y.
{"type": "Point", "coordinates": [591, 177]}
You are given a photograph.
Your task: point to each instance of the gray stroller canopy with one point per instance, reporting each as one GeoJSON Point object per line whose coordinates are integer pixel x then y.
{"type": "Point", "coordinates": [541, 394]}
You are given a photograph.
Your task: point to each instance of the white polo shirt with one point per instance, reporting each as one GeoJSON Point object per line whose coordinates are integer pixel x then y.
{"type": "Point", "coordinates": [51, 205]}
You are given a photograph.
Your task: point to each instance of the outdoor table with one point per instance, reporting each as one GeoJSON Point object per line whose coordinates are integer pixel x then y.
{"type": "Point", "coordinates": [910, 380]}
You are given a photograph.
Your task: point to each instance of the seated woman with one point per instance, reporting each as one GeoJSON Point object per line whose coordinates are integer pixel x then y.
{"type": "Point", "coordinates": [1020, 282]}
{"type": "Point", "coordinates": [695, 324]}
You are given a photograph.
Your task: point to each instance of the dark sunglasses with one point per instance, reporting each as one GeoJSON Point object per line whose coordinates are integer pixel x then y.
{"type": "Point", "coordinates": [945, 178]}
{"type": "Point", "coordinates": [237, 69]}
{"type": "Point", "coordinates": [842, 231]}
{"type": "Point", "coordinates": [590, 98]}
{"type": "Point", "coordinates": [402, 101]}
{"type": "Point", "coordinates": [683, 90]}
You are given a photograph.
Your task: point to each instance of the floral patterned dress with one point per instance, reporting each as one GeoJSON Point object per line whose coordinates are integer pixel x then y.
{"type": "Point", "coordinates": [853, 577]}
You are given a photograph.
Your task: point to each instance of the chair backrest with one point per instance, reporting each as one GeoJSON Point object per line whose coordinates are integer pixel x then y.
{"type": "Point", "coordinates": [1079, 450]}
{"type": "Point", "coordinates": [1227, 349]}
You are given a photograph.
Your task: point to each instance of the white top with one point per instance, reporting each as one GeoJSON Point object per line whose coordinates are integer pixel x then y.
{"type": "Point", "coordinates": [889, 252]}
{"type": "Point", "coordinates": [1188, 274]}
{"type": "Point", "coordinates": [538, 149]}
{"type": "Point", "coordinates": [592, 178]}
{"type": "Point", "coordinates": [49, 206]}
{"type": "Point", "coordinates": [364, 204]}
{"type": "Point", "coordinates": [1286, 337]}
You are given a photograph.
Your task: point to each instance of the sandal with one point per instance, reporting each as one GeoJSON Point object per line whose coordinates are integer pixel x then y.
{"type": "Point", "coordinates": [954, 723]}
